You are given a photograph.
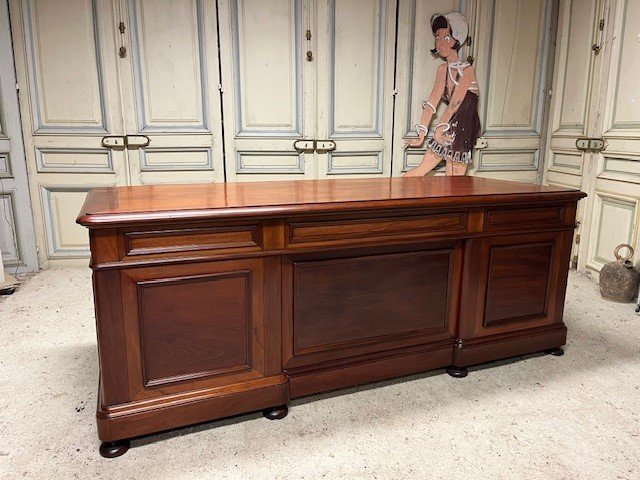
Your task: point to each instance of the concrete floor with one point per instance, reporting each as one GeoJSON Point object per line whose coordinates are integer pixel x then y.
{"type": "Point", "coordinates": [570, 417]}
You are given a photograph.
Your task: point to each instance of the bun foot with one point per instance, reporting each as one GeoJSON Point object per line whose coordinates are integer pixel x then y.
{"type": "Point", "coordinates": [114, 449]}
{"type": "Point", "coordinates": [556, 352]}
{"type": "Point", "coordinates": [457, 372]}
{"type": "Point", "coordinates": [276, 413]}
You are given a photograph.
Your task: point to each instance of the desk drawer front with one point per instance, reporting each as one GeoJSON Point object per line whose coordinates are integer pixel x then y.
{"type": "Point", "coordinates": [524, 218]}
{"type": "Point", "coordinates": [237, 237]}
{"type": "Point", "coordinates": [336, 232]}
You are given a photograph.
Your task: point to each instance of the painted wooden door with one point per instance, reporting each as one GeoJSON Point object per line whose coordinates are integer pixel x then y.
{"type": "Point", "coordinates": [510, 44]}
{"type": "Point", "coordinates": [600, 99]}
{"type": "Point", "coordinates": [613, 178]}
{"type": "Point", "coordinates": [17, 237]}
{"type": "Point", "coordinates": [69, 95]}
{"type": "Point", "coordinates": [307, 70]}
{"type": "Point", "coordinates": [170, 84]}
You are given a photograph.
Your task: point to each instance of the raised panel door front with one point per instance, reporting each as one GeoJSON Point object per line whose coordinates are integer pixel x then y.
{"type": "Point", "coordinates": [197, 326]}
{"type": "Point", "coordinates": [517, 284]}
{"type": "Point", "coordinates": [346, 305]}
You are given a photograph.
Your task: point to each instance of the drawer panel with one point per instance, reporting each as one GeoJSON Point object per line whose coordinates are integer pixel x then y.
{"type": "Point", "coordinates": [336, 232]}
{"type": "Point", "coordinates": [524, 218]}
{"type": "Point", "coordinates": [162, 242]}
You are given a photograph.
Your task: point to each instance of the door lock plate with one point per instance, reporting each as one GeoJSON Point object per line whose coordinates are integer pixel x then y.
{"type": "Point", "coordinates": [586, 144]}
{"type": "Point", "coordinates": [323, 146]}
{"type": "Point", "coordinates": [114, 141]}
{"type": "Point", "coordinates": [304, 145]}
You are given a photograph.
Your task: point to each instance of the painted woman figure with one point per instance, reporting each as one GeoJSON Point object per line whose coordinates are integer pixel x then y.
{"type": "Point", "coordinates": [459, 126]}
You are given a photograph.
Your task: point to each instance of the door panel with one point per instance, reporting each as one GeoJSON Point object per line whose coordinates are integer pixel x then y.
{"type": "Point", "coordinates": [599, 100]}
{"type": "Point", "coordinates": [17, 237]}
{"type": "Point", "coordinates": [518, 276]}
{"type": "Point", "coordinates": [406, 296]}
{"type": "Point", "coordinates": [177, 321]}
{"type": "Point", "coordinates": [172, 80]}
{"type": "Point", "coordinates": [355, 86]}
{"type": "Point", "coordinates": [512, 47]}
{"type": "Point", "coordinates": [68, 107]}
{"type": "Point", "coordinates": [267, 89]}
{"type": "Point", "coordinates": [281, 85]}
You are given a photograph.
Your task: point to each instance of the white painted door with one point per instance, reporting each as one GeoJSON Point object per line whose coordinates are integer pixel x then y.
{"type": "Point", "coordinates": [170, 79]}
{"type": "Point", "coordinates": [17, 237]}
{"type": "Point", "coordinates": [314, 70]}
{"type": "Point", "coordinates": [610, 177]}
{"type": "Point", "coordinates": [69, 93]}
{"type": "Point", "coordinates": [510, 46]}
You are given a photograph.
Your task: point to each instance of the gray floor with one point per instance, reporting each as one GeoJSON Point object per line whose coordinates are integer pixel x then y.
{"type": "Point", "coordinates": [571, 417]}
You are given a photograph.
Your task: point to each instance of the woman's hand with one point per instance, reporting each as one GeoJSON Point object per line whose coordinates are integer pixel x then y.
{"type": "Point", "coordinates": [415, 142]}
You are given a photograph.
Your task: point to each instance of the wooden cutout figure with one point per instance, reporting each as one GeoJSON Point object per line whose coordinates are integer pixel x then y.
{"type": "Point", "coordinates": [459, 126]}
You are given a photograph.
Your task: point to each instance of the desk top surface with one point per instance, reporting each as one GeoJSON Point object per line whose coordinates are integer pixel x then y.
{"type": "Point", "coordinates": [121, 205]}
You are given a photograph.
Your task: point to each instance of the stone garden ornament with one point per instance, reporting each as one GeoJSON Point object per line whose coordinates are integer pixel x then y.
{"type": "Point", "coordinates": [458, 128]}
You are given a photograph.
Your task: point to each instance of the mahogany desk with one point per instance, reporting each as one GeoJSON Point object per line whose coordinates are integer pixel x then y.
{"type": "Point", "coordinates": [219, 299]}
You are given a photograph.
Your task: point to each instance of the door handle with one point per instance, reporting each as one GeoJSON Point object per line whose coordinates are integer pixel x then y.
{"type": "Point", "coordinates": [325, 146]}
{"type": "Point", "coordinates": [114, 141]}
{"type": "Point", "coordinates": [137, 141]}
{"type": "Point", "coordinates": [303, 145]}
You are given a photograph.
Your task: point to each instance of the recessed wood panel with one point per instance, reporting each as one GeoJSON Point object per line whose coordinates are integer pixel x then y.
{"type": "Point", "coordinates": [5, 165]}
{"type": "Point", "coordinates": [626, 110]}
{"type": "Point", "coordinates": [178, 159]}
{"type": "Point", "coordinates": [8, 230]}
{"type": "Point", "coordinates": [194, 326]}
{"type": "Point", "coordinates": [613, 223]}
{"type": "Point", "coordinates": [501, 219]}
{"type": "Point", "coordinates": [74, 160]}
{"type": "Point", "coordinates": [341, 301]}
{"type": "Point", "coordinates": [65, 237]}
{"type": "Point", "coordinates": [65, 94]}
{"type": "Point", "coordinates": [190, 240]}
{"type": "Point", "coordinates": [345, 231]}
{"type": "Point", "coordinates": [515, 65]}
{"type": "Point", "coordinates": [267, 61]}
{"type": "Point", "coordinates": [577, 65]}
{"type": "Point", "coordinates": [169, 63]}
{"type": "Point", "coordinates": [356, 103]}
{"type": "Point", "coordinates": [517, 282]}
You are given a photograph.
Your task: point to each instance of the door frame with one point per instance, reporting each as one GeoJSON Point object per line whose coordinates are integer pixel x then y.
{"type": "Point", "coordinates": [14, 179]}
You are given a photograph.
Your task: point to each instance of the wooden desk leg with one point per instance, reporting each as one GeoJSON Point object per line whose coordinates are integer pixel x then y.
{"type": "Point", "coordinates": [114, 449]}
{"type": "Point", "coordinates": [276, 413]}
{"type": "Point", "coordinates": [556, 352]}
{"type": "Point", "coordinates": [457, 372]}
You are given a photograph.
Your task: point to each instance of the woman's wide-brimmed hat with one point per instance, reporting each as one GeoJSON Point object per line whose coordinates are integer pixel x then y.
{"type": "Point", "coordinates": [457, 24]}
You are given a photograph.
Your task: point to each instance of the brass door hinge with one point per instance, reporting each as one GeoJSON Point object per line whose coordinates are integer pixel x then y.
{"type": "Point", "coordinates": [578, 239]}
{"type": "Point", "coordinates": [574, 262]}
